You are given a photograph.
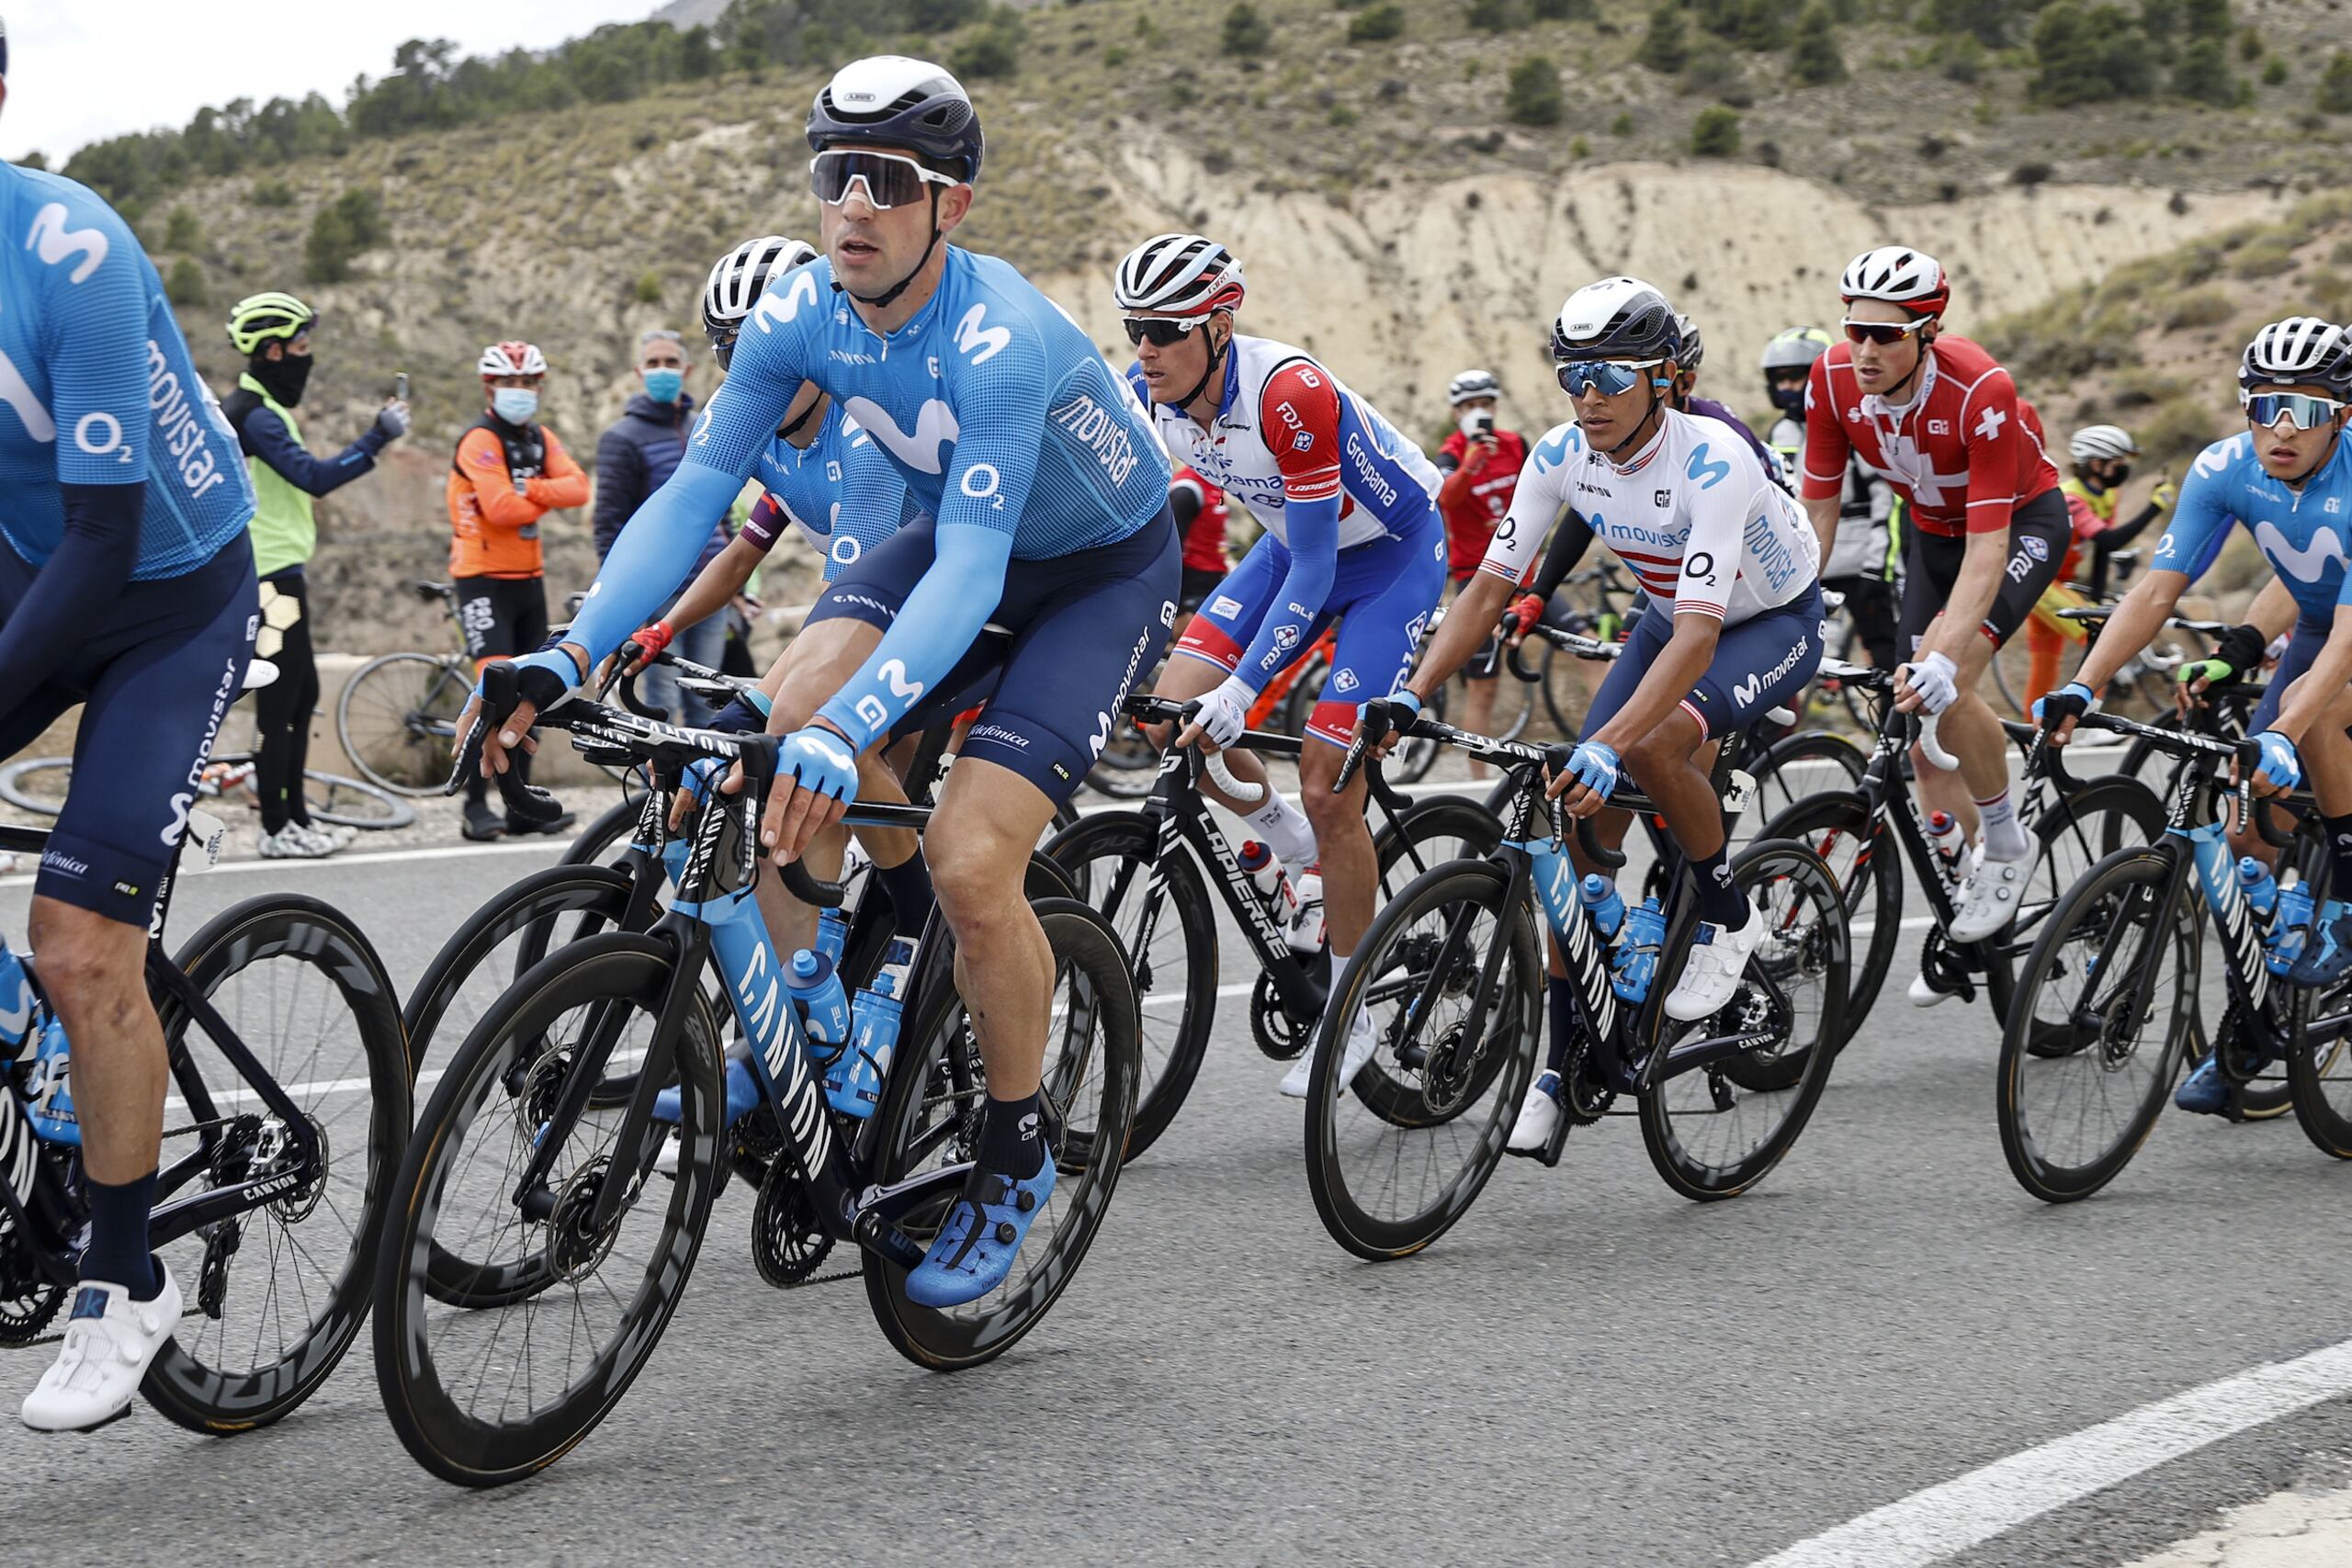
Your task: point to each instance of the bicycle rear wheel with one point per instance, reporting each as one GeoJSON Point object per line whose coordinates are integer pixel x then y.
{"type": "Point", "coordinates": [1716, 1130]}
{"type": "Point", "coordinates": [1869, 870]}
{"type": "Point", "coordinates": [929, 1117]}
{"type": "Point", "coordinates": [275, 1294]}
{"type": "Point", "coordinates": [347, 803]}
{"type": "Point", "coordinates": [37, 784]}
{"type": "Point", "coordinates": [2085, 1066]}
{"type": "Point", "coordinates": [2319, 1064]}
{"type": "Point", "coordinates": [563, 1315]}
{"type": "Point", "coordinates": [397, 715]}
{"type": "Point", "coordinates": [1392, 1171]}
{"type": "Point", "coordinates": [1794, 768]}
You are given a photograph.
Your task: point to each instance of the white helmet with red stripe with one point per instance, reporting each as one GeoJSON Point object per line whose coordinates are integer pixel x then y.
{"type": "Point", "coordinates": [512, 358]}
{"type": "Point", "coordinates": [1899, 275]}
{"type": "Point", "coordinates": [1179, 276]}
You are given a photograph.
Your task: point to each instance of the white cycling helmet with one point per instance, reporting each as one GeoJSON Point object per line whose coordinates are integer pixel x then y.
{"type": "Point", "coordinates": [1179, 276]}
{"type": "Point", "coordinates": [2098, 441]}
{"type": "Point", "coordinates": [513, 357]}
{"type": "Point", "coordinates": [1472, 384]}
{"type": "Point", "coordinates": [1899, 275]}
{"type": "Point", "coordinates": [1617, 317]}
{"type": "Point", "coordinates": [740, 276]}
{"type": "Point", "coordinates": [2299, 351]}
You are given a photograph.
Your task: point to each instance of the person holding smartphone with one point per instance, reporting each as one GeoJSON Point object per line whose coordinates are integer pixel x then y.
{"type": "Point", "coordinates": [1481, 462]}
{"type": "Point", "coordinates": [273, 332]}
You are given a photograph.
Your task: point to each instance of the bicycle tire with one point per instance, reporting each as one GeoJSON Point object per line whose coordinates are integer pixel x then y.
{"type": "Point", "coordinates": [1564, 695]}
{"type": "Point", "coordinates": [947, 1339]}
{"type": "Point", "coordinates": [1170, 1060]}
{"type": "Point", "coordinates": [184, 1384]}
{"type": "Point", "coordinates": [611, 826]}
{"type": "Point", "coordinates": [2314, 1065]}
{"type": "Point", "coordinates": [411, 701]}
{"type": "Point", "coordinates": [1793, 769]}
{"type": "Point", "coordinates": [616, 968]}
{"type": "Point", "coordinates": [1835, 826]}
{"type": "Point", "coordinates": [1502, 1062]}
{"type": "Point", "coordinates": [2123, 884]}
{"type": "Point", "coordinates": [1818, 945]}
{"type": "Point", "coordinates": [349, 802]}
{"type": "Point", "coordinates": [36, 784]}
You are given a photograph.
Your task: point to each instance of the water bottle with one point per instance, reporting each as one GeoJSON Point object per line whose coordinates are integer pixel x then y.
{"type": "Point", "coordinates": [22, 1016]}
{"type": "Point", "coordinates": [2290, 926]}
{"type": "Point", "coordinates": [49, 1090]}
{"type": "Point", "coordinates": [817, 992]}
{"type": "Point", "coordinates": [1945, 837]}
{"type": "Point", "coordinates": [2261, 889]}
{"type": "Point", "coordinates": [854, 1082]}
{"type": "Point", "coordinates": [1599, 896]}
{"type": "Point", "coordinates": [1637, 953]}
{"type": "Point", "coordinates": [1265, 874]}
{"type": "Point", "coordinates": [832, 935]}
{"type": "Point", "coordinates": [1306, 924]}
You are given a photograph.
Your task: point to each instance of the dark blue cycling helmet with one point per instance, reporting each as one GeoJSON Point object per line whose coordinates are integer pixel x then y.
{"type": "Point", "coordinates": [889, 100]}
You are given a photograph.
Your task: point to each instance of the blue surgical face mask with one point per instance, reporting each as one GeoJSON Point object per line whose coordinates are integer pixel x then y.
{"type": "Point", "coordinates": [516, 405]}
{"type": "Point", "coordinates": [664, 385]}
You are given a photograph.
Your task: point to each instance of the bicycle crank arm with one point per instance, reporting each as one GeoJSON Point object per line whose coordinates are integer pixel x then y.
{"type": "Point", "coordinates": [1694, 1053]}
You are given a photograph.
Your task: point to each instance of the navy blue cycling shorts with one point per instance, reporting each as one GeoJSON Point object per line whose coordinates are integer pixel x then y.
{"type": "Point", "coordinates": [156, 675]}
{"type": "Point", "coordinates": [1085, 627]}
{"type": "Point", "coordinates": [2303, 646]}
{"type": "Point", "coordinates": [1760, 664]}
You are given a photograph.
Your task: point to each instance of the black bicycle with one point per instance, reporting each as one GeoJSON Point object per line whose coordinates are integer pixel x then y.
{"type": "Point", "coordinates": [570, 1253]}
{"type": "Point", "coordinates": [1453, 974]}
{"type": "Point", "coordinates": [286, 1112]}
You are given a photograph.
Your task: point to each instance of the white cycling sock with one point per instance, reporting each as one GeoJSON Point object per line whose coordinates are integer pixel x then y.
{"type": "Point", "coordinates": [1285, 830]}
{"type": "Point", "coordinates": [2004, 837]}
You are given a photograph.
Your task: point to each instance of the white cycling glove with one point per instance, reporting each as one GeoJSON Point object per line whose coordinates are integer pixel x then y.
{"type": "Point", "coordinates": [1225, 712]}
{"type": "Point", "coordinates": [1936, 679]}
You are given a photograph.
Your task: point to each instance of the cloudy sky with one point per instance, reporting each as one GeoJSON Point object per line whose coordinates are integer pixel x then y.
{"type": "Point", "coordinates": [81, 70]}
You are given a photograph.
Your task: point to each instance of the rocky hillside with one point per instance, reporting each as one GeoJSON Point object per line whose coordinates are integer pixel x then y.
{"type": "Point", "coordinates": [1393, 215]}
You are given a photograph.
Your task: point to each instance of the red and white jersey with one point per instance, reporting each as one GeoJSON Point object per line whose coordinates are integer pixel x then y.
{"type": "Point", "coordinates": [1958, 450]}
{"type": "Point", "coordinates": [1695, 515]}
{"type": "Point", "coordinates": [1287, 429]}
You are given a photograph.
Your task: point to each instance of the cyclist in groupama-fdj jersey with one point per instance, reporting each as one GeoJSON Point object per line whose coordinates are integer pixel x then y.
{"type": "Point", "coordinates": [1051, 500]}
{"type": "Point", "coordinates": [126, 586]}
{"type": "Point", "coordinates": [1733, 627]}
{"type": "Point", "coordinates": [2287, 479]}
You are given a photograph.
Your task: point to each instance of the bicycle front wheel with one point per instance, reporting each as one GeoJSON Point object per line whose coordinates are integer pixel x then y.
{"type": "Point", "coordinates": [38, 784]}
{"type": "Point", "coordinates": [397, 717]}
{"type": "Point", "coordinates": [2319, 1064]}
{"type": "Point", "coordinates": [275, 1294]}
{"type": "Point", "coordinates": [2095, 1032]}
{"type": "Point", "coordinates": [1868, 869]}
{"type": "Point", "coordinates": [347, 803]}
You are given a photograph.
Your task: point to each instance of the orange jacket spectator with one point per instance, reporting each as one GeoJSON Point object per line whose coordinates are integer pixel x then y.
{"type": "Point", "coordinates": [503, 480]}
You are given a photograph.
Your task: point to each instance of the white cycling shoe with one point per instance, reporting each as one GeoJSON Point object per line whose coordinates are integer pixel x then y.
{"type": "Point", "coordinates": [298, 840]}
{"type": "Point", "coordinates": [1538, 1114]}
{"type": "Point", "coordinates": [1718, 958]}
{"type": "Point", "coordinates": [1362, 1039]}
{"type": "Point", "coordinates": [110, 1341]}
{"type": "Point", "coordinates": [1989, 898]}
{"type": "Point", "coordinates": [1923, 995]}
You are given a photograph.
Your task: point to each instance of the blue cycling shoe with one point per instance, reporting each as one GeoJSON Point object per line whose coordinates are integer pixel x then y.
{"type": "Point", "coordinates": [2326, 961]}
{"type": "Point", "coordinates": [2206, 1090]}
{"type": "Point", "coordinates": [742, 1093]}
{"type": "Point", "coordinates": [976, 1248]}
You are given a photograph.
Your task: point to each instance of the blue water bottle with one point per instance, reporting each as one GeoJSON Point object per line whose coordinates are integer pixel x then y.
{"type": "Point", "coordinates": [49, 1090]}
{"type": "Point", "coordinates": [854, 1082]}
{"type": "Point", "coordinates": [2290, 926]}
{"type": "Point", "coordinates": [817, 992]}
{"type": "Point", "coordinates": [2261, 888]}
{"type": "Point", "coordinates": [832, 935]}
{"type": "Point", "coordinates": [22, 1016]}
{"type": "Point", "coordinates": [1637, 960]}
{"type": "Point", "coordinates": [1599, 895]}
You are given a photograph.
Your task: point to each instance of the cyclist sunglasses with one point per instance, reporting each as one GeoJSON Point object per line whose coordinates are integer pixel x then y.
{"type": "Point", "coordinates": [891, 179]}
{"type": "Point", "coordinates": [1607, 377]}
{"type": "Point", "coordinates": [1881, 333]}
{"type": "Point", "coordinates": [1163, 332]}
{"type": "Point", "coordinates": [2305, 411]}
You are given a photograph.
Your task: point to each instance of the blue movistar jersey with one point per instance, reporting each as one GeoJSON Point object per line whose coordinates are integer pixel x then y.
{"type": "Point", "coordinates": [999, 414]}
{"type": "Point", "coordinates": [96, 387]}
{"type": "Point", "coordinates": [839, 492]}
{"type": "Point", "coordinates": [2304, 533]}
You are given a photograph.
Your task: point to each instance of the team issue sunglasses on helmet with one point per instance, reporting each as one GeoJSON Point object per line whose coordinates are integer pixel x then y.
{"type": "Point", "coordinates": [2305, 410]}
{"type": "Point", "coordinates": [1607, 377]}
{"type": "Point", "coordinates": [891, 179]}
{"type": "Point", "coordinates": [1164, 331]}
{"type": "Point", "coordinates": [1882, 333]}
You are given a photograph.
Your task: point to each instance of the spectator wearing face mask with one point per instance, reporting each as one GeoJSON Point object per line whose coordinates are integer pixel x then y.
{"type": "Point", "coordinates": [636, 454]}
{"type": "Point", "coordinates": [1481, 462]}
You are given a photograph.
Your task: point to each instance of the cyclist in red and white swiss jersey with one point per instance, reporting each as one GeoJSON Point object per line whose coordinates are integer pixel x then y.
{"type": "Point", "coordinates": [1352, 534]}
{"type": "Point", "coordinates": [1987, 529]}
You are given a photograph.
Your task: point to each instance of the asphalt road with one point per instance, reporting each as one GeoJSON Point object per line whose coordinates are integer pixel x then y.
{"type": "Point", "coordinates": [1588, 1369]}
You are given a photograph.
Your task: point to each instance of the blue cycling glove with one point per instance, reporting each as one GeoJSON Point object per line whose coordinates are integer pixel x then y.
{"type": "Point", "coordinates": [544, 678]}
{"type": "Point", "coordinates": [2071, 700]}
{"type": "Point", "coordinates": [2281, 765]}
{"type": "Point", "coordinates": [820, 761]}
{"type": "Point", "coordinates": [1596, 767]}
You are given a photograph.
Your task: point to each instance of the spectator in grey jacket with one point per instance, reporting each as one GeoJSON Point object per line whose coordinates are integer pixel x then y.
{"type": "Point", "coordinates": [633, 458]}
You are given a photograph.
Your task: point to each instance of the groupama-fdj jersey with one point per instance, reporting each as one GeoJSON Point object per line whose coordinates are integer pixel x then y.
{"type": "Point", "coordinates": [127, 584]}
{"type": "Point", "coordinates": [1049, 491]}
{"type": "Point", "coordinates": [2305, 535]}
{"type": "Point", "coordinates": [839, 491]}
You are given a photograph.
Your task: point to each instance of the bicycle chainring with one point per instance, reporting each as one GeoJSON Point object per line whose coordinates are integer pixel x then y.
{"type": "Point", "coordinates": [1583, 1095]}
{"type": "Point", "coordinates": [1279, 1035]}
{"type": "Point", "coordinates": [787, 1244]}
{"type": "Point", "coordinates": [28, 1299]}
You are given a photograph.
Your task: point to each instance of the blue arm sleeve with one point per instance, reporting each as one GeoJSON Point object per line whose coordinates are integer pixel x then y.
{"type": "Point", "coordinates": [273, 443]}
{"type": "Point", "coordinates": [942, 618]}
{"type": "Point", "coordinates": [1314, 528]}
{"type": "Point", "coordinates": [92, 561]}
{"type": "Point", "coordinates": [2201, 518]}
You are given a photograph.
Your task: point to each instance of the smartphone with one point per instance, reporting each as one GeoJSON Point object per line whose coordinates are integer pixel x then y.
{"type": "Point", "coordinates": [400, 387]}
{"type": "Point", "coordinates": [1486, 422]}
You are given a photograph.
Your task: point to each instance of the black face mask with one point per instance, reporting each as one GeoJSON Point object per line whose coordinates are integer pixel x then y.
{"type": "Point", "coordinates": [1790, 401]}
{"type": "Point", "coordinates": [282, 378]}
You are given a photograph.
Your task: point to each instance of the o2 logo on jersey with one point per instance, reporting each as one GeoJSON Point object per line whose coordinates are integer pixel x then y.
{"type": "Point", "coordinates": [981, 482]}
{"type": "Point", "coordinates": [1707, 474]}
{"type": "Point", "coordinates": [1701, 566]}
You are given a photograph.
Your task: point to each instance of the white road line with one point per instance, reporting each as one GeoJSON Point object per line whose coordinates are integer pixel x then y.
{"type": "Point", "coordinates": [372, 857]}
{"type": "Point", "coordinates": [1944, 1520]}
{"type": "Point", "coordinates": [1175, 998]}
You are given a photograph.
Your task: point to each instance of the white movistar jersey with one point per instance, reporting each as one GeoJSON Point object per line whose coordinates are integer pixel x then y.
{"type": "Point", "coordinates": [1695, 515]}
{"type": "Point", "coordinates": [1288, 431]}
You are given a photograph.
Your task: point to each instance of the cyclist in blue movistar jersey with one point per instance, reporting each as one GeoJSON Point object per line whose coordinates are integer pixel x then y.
{"type": "Point", "coordinates": [127, 585]}
{"type": "Point", "coordinates": [1051, 500]}
{"type": "Point", "coordinates": [2288, 479]}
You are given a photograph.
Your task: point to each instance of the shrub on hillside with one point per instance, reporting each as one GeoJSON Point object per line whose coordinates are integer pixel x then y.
{"type": "Point", "coordinates": [1497, 16]}
{"type": "Point", "coordinates": [353, 222]}
{"type": "Point", "coordinates": [2206, 18]}
{"type": "Point", "coordinates": [994, 50]}
{"type": "Point", "coordinates": [1534, 96]}
{"type": "Point", "coordinates": [1247, 33]}
{"type": "Point", "coordinates": [2202, 74]}
{"type": "Point", "coordinates": [1565, 10]}
{"type": "Point", "coordinates": [186, 285]}
{"type": "Point", "coordinates": [273, 193]}
{"type": "Point", "coordinates": [1376, 24]}
{"type": "Point", "coordinates": [1714, 72]}
{"type": "Point", "coordinates": [1666, 45]}
{"type": "Point", "coordinates": [1715, 133]}
{"type": "Point", "coordinates": [2336, 84]}
{"type": "Point", "coordinates": [2090, 55]}
{"type": "Point", "coordinates": [2198, 308]}
{"type": "Point", "coordinates": [1817, 60]}
{"type": "Point", "coordinates": [182, 232]}
{"type": "Point", "coordinates": [2267, 257]}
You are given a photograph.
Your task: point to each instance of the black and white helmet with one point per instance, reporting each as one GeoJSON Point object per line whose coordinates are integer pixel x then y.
{"type": "Point", "coordinates": [1179, 276]}
{"type": "Point", "coordinates": [740, 276]}
{"type": "Point", "coordinates": [1472, 384]}
{"type": "Point", "coordinates": [1617, 317]}
{"type": "Point", "coordinates": [2299, 351]}
{"type": "Point", "coordinates": [1694, 347]}
{"type": "Point", "coordinates": [2101, 441]}
{"type": "Point", "coordinates": [1899, 275]}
